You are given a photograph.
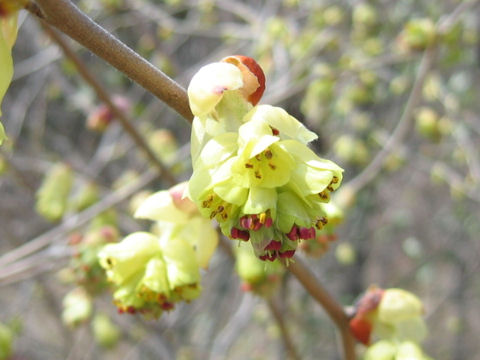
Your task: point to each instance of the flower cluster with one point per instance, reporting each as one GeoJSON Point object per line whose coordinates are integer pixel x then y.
{"type": "Point", "coordinates": [153, 271]}
{"type": "Point", "coordinates": [391, 315]}
{"type": "Point", "coordinates": [252, 169]}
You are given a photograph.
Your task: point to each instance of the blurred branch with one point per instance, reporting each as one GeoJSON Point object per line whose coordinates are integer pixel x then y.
{"type": "Point", "coordinates": [333, 309]}
{"type": "Point", "coordinates": [404, 124]}
{"type": "Point", "coordinates": [402, 128]}
{"type": "Point", "coordinates": [66, 17]}
{"type": "Point", "coordinates": [280, 320]}
{"type": "Point", "coordinates": [105, 97]}
{"type": "Point", "coordinates": [72, 222]}
{"type": "Point", "coordinates": [277, 314]}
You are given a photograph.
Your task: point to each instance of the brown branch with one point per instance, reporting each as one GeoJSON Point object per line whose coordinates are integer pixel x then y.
{"type": "Point", "coordinates": [105, 97]}
{"type": "Point", "coordinates": [333, 309]}
{"type": "Point", "coordinates": [287, 339]}
{"type": "Point", "coordinates": [66, 17]}
{"type": "Point", "coordinates": [277, 314]}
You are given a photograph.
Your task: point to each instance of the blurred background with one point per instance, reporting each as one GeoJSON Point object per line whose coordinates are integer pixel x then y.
{"type": "Point", "coordinates": [390, 86]}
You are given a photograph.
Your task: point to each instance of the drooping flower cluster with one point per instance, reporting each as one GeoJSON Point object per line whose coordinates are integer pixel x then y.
{"type": "Point", "coordinates": [151, 272]}
{"type": "Point", "coordinates": [252, 169]}
{"type": "Point", "coordinates": [392, 315]}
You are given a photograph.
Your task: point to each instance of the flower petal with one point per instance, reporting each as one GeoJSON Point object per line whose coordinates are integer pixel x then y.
{"type": "Point", "coordinates": [161, 206]}
{"type": "Point", "coordinates": [209, 83]}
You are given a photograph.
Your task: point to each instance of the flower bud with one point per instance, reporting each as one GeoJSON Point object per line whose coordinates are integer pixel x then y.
{"type": "Point", "coordinates": [3, 136]}
{"type": "Point", "coordinates": [52, 196]}
{"type": "Point", "coordinates": [85, 197]}
{"type": "Point", "coordinates": [77, 307]}
{"type": "Point", "coordinates": [398, 305]}
{"type": "Point", "coordinates": [381, 350]}
{"type": "Point", "coordinates": [102, 115]}
{"type": "Point", "coordinates": [163, 144]}
{"type": "Point", "coordinates": [345, 254]}
{"type": "Point", "coordinates": [252, 75]}
{"type": "Point", "coordinates": [105, 332]}
{"type": "Point", "coordinates": [389, 314]}
{"type": "Point", "coordinates": [237, 72]}
{"type": "Point", "coordinates": [418, 34]}
{"type": "Point", "coordinates": [6, 342]}
{"type": "Point", "coordinates": [427, 123]}
{"type": "Point", "coordinates": [3, 162]}
{"type": "Point", "coordinates": [8, 35]}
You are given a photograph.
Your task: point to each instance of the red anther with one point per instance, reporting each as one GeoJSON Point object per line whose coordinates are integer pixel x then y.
{"type": "Point", "coordinates": [264, 257]}
{"type": "Point", "coordinates": [256, 225]}
{"type": "Point", "coordinates": [273, 245]}
{"type": "Point", "coordinates": [268, 222]}
{"type": "Point", "coordinates": [131, 310]}
{"type": "Point", "coordinates": [275, 132]}
{"type": "Point", "coordinates": [120, 310]}
{"type": "Point", "coordinates": [245, 222]}
{"type": "Point", "coordinates": [239, 234]}
{"type": "Point", "coordinates": [307, 233]}
{"type": "Point", "coordinates": [167, 306]}
{"type": "Point", "coordinates": [293, 234]}
{"type": "Point", "coordinates": [243, 235]}
{"type": "Point", "coordinates": [286, 254]}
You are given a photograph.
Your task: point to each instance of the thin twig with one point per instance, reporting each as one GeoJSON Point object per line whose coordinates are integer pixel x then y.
{"type": "Point", "coordinates": [287, 339]}
{"type": "Point", "coordinates": [277, 314]}
{"type": "Point", "coordinates": [66, 17]}
{"type": "Point", "coordinates": [404, 124]}
{"type": "Point", "coordinates": [401, 130]}
{"type": "Point", "coordinates": [105, 97]}
{"type": "Point", "coordinates": [76, 220]}
{"type": "Point", "coordinates": [333, 309]}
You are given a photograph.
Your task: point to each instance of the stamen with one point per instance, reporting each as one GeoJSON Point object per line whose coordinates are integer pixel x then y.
{"type": "Point", "coordinates": [258, 157]}
{"type": "Point", "coordinates": [262, 217]}
{"type": "Point", "coordinates": [334, 180]}
{"type": "Point", "coordinates": [248, 166]}
{"type": "Point", "coordinates": [268, 154]}
{"type": "Point", "coordinates": [293, 234]}
{"type": "Point", "coordinates": [268, 222]}
{"type": "Point", "coordinates": [286, 254]}
{"type": "Point", "coordinates": [324, 195]}
{"type": "Point", "coordinates": [273, 245]}
{"type": "Point", "coordinates": [307, 233]}
{"type": "Point", "coordinates": [273, 167]}
{"type": "Point", "coordinates": [220, 208]}
{"type": "Point", "coordinates": [257, 174]}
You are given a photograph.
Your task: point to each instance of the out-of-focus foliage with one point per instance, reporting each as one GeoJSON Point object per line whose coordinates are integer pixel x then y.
{"type": "Point", "coordinates": [344, 68]}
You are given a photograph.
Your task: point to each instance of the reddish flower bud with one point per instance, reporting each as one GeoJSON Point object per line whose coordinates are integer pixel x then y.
{"type": "Point", "coordinates": [253, 76]}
